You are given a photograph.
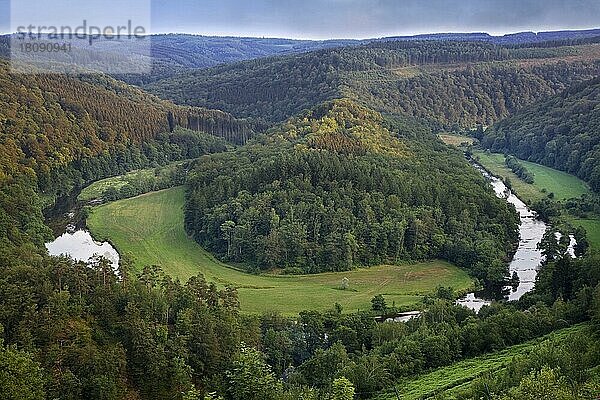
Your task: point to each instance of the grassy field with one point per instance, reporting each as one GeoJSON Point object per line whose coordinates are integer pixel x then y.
{"type": "Point", "coordinates": [97, 189]}
{"type": "Point", "coordinates": [592, 228]}
{"type": "Point", "coordinates": [461, 374]}
{"type": "Point", "coordinates": [150, 229]}
{"type": "Point", "coordinates": [456, 140]}
{"type": "Point", "coordinates": [563, 185]}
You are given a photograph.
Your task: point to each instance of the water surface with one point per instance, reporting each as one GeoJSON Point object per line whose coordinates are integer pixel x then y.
{"type": "Point", "coordinates": [528, 258]}
{"type": "Point", "coordinates": [80, 246]}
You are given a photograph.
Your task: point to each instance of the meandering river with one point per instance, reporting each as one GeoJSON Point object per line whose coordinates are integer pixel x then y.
{"type": "Point", "coordinates": [527, 259]}
{"type": "Point", "coordinates": [526, 262]}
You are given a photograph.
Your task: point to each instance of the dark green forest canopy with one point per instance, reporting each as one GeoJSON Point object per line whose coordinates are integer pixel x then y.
{"type": "Point", "coordinates": [562, 132]}
{"type": "Point", "coordinates": [58, 133]}
{"type": "Point", "coordinates": [340, 187]}
{"type": "Point", "coordinates": [446, 83]}
{"type": "Point", "coordinates": [339, 178]}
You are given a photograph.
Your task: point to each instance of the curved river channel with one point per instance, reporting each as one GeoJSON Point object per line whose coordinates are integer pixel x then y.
{"type": "Point", "coordinates": [527, 260]}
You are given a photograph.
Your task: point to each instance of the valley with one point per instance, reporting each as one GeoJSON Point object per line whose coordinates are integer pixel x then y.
{"type": "Point", "coordinates": [548, 181]}
{"type": "Point", "coordinates": [291, 219]}
{"type": "Point", "coordinates": [149, 229]}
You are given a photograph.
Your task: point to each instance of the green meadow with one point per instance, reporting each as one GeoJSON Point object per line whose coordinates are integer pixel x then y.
{"type": "Point", "coordinates": [149, 229]}
{"type": "Point", "coordinates": [547, 180]}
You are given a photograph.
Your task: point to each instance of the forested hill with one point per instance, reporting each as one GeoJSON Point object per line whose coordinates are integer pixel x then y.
{"type": "Point", "coordinates": [562, 132]}
{"type": "Point", "coordinates": [58, 133]}
{"type": "Point", "coordinates": [339, 187]}
{"type": "Point", "coordinates": [178, 53]}
{"type": "Point", "coordinates": [444, 82]}
{"type": "Point", "coordinates": [49, 121]}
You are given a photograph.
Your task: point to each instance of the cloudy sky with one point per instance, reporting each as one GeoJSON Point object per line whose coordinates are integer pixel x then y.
{"type": "Point", "coordinates": [320, 19]}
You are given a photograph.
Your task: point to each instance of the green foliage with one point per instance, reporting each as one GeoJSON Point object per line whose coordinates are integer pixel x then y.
{"type": "Point", "coordinates": [369, 375]}
{"type": "Point", "coordinates": [58, 133]}
{"type": "Point", "coordinates": [595, 309]}
{"type": "Point", "coordinates": [325, 366]}
{"type": "Point", "coordinates": [150, 229]}
{"type": "Point", "coordinates": [490, 375]}
{"type": "Point", "coordinates": [338, 187]}
{"type": "Point", "coordinates": [563, 367]}
{"type": "Point", "coordinates": [21, 378]}
{"type": "Point", "coordinates": [251, 378]}
{"type": "Point", "coordinates": [557, 132]}
{"type": "Point", "coordinates": [98, 338]}
{"type": "Point", "coordinates": [342, 389]}
{"type": "Point", "coordinates": [378, 304]}
{"type": "Point", "coordinates": [334, 188]}
{"type": "Point", "coordinates": [519, 170]}
{"type": "Point", "coordinates": [547, 180]}
{"type": "Point", "coordinates": [546, 384]}
{"type": "Point", "coordinates": [444, 82]}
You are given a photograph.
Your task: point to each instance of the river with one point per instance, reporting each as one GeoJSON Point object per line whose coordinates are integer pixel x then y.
{"type": "Point", "coordinates": [72, 239]}
{"type": "Point", "coordinates": [79, 244]}
{"type": "Point", "coordinates": [528, 258]}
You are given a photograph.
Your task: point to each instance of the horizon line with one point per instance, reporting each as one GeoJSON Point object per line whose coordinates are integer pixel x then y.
{"type": "Point", "coordinates": [390, 35]}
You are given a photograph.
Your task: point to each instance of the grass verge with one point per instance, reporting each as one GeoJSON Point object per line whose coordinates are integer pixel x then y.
{"type": "Point", "coordinates": [461, 374]}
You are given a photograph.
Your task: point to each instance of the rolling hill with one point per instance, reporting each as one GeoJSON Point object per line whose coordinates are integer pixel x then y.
{"type": "Point", "coordinates": [173, 54]}
{"type": "Point", "coordinates": [445, 82]}
{"type": "Point", "coordinates": [59, 132]}
{"type": "Point", "coordinates": [560, 132]}
{"type": "Point", "coordinates": [339, 187]}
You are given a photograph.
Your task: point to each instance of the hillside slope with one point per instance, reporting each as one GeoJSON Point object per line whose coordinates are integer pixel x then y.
{"type": "Point", "coordinates": [445, 82]}
{"type": "Point", "coordinates": [178, 53]}
{"type": "Point", "coordinates": [59, 132]}
{"type": "Point", "coordinates": [560, 132]}
{"type": "Point", "coordinates": [339, 187]}
{"type": "Point", "coordinates": [49, 121]}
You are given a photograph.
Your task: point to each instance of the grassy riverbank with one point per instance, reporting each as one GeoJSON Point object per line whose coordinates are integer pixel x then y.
{"type": "Point", "coordinates": [547, 180]}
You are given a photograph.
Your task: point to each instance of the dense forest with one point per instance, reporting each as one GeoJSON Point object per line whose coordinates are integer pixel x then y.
{"type": "Point", "coordinates": [58, 133]}
{"type": "Point", "coordinates": [332, 188]}
{"type": "Point", "coordinates": [338, 187]}
{"type": "Point", "coordinates": [560, 132]}
{"type": "Point", "coordinates": [172, 54]}
{"type": "Point", "coordinates": [449, 83]}
{"type": "Point", "coordinates": [77, 331]}
{"type": "Point", "coordinates": [49, 122]}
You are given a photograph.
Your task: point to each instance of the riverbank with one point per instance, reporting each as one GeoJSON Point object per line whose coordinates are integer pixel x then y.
{"type": "Point", "coordinates": [527, 258]}
{"type": "Point", "coordinates": [549, 184]}
{"type": "Point", "coordinates": [546, 180]}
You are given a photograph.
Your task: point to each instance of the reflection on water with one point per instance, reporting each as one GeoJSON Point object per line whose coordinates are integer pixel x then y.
{"type": "Point", "coordinates": [473, 302]}
{"type": "Point", "coordinates": [528, 258]}
{"type": "Point", "coordinates": [404, 317]}
{"type": "Point", "coordinates": [81, 246]}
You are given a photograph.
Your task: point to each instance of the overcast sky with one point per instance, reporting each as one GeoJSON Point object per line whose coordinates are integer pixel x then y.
{"type": "Point", "coordinates": [321, 19]}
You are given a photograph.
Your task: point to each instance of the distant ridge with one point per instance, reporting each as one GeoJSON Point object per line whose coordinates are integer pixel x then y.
{"type": "Point", "coordinates": [173, 54]}
{"type": "Point", "coordinates": [511, 38]}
